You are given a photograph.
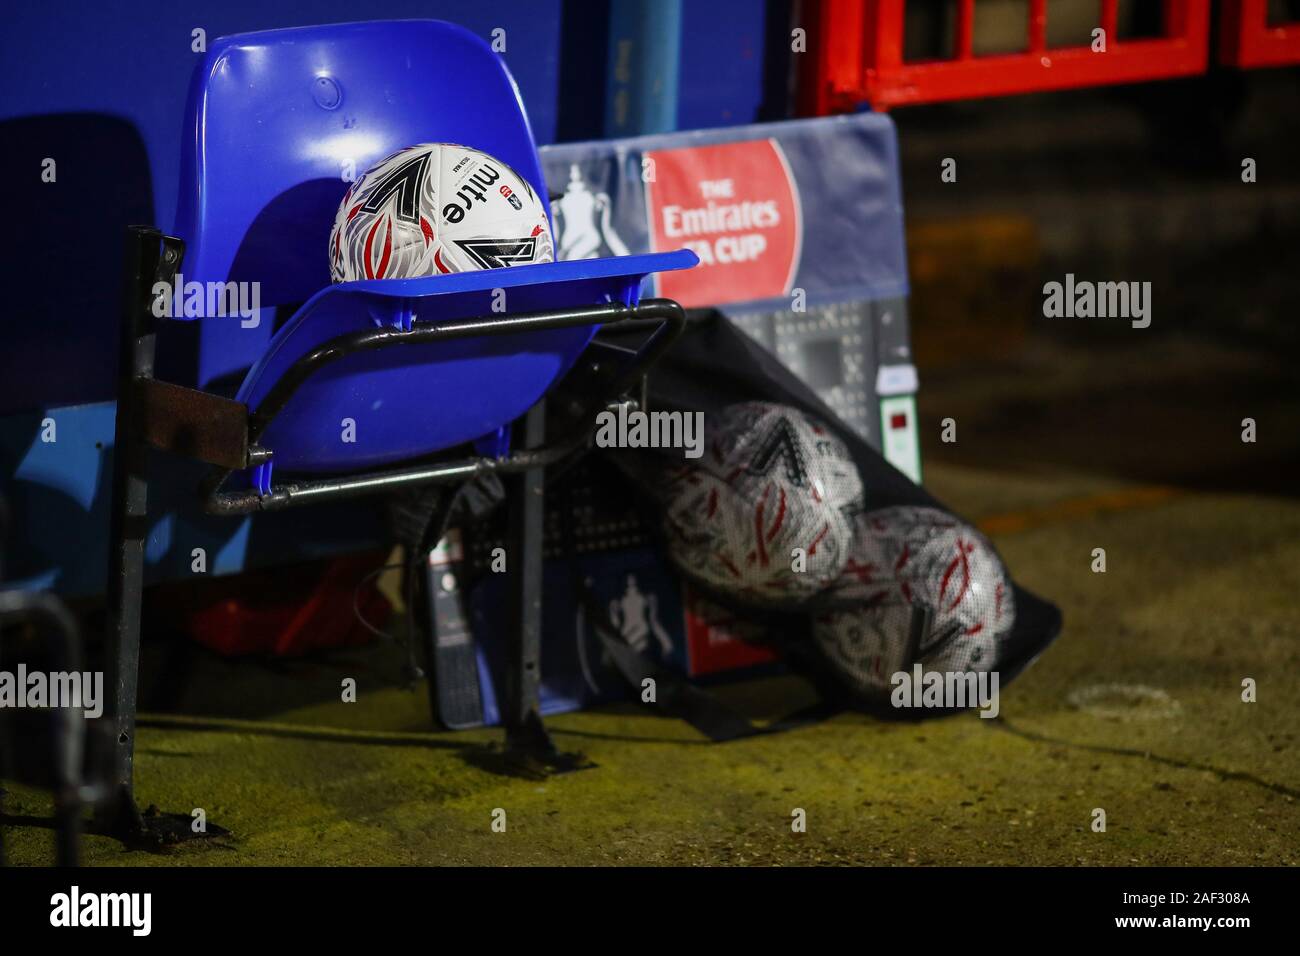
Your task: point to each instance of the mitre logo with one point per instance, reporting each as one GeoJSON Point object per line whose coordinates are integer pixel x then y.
{"type": "Point", "coordinates": [469, 192]}
{"type": "Point", "coordinates": [736, 206]}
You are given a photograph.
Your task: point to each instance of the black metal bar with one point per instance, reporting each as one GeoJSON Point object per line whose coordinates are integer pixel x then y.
{"type": "Point", "coordinates": [372, 339]}
{"type": "Point", "coordinates": [151, 257]}
{"type": "Point", "coordinates": [671, 318]}
{"type": "Point", "coordinates": [673, 322]}
{"type": "Point", "coordinates": [521, 714]}
{"type": "Point", "coordinates": [352, 486]}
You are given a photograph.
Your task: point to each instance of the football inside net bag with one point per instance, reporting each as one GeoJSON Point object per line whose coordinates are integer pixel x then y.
{"type": "Point", "coordinates": [790, 517]}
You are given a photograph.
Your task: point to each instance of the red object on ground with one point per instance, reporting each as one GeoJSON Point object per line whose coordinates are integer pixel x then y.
{"type": "Point", "coordinates": [1247, 40]}
{"type": "Point", "coordinates": [287, 612]}
{"type": "Point", "coordinates": [855, 55]}
{"type": "Point", "coordinates": [718, 640]}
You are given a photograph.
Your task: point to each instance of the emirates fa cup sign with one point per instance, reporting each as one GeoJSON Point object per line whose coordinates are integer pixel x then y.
{"type": "Point", "coordinates": [734, 205]}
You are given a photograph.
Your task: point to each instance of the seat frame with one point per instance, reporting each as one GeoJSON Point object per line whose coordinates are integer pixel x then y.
{"type": "Point", "coordinates": [226, 434]}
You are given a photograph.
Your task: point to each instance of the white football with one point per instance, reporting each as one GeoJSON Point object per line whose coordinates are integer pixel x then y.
{"type": "Point", "coordinates": [772, 481]}
{"type": "Point", "coordinates": [437, 208]}
{"type": "Point", "coordinates": [904, 556]}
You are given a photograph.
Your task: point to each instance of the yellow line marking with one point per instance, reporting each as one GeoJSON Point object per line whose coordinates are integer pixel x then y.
{"type": "Point", "coordinates": [1074, 509]}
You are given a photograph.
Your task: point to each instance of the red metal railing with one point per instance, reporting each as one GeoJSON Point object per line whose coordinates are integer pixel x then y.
{"type": "Point", "coordinates": [855, 55]}
{"type": "Point", "coordinates": [1246, 39]}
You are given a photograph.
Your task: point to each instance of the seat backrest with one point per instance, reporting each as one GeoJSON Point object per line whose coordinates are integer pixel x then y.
{"type": "Point", "coordinates": [277, 120]}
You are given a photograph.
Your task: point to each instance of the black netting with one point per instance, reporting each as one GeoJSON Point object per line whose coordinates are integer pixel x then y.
{"type": "Point", "coordinates": [781, 473]}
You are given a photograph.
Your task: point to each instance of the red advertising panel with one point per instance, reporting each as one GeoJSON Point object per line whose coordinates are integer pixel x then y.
{"type": "Point", "coordinates": [737, 207]}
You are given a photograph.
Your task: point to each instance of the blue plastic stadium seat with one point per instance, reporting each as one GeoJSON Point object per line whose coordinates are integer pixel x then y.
{"type": "Point", "coordinates": [273, 122]}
